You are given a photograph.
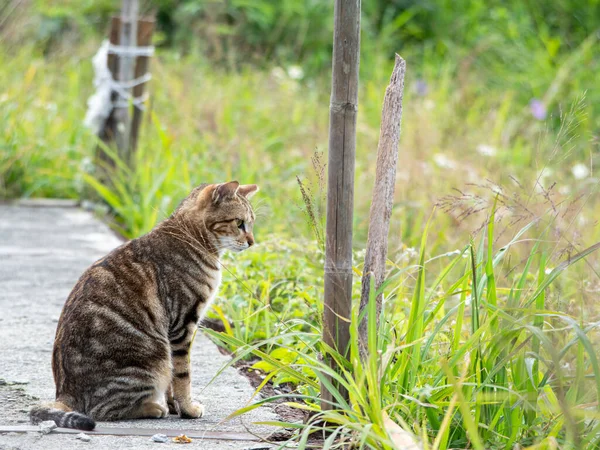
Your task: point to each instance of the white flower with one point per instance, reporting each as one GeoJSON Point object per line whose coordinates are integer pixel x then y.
{"type": "Point", "coordinates": [545, 173]}
{"type": "Point", "coordinates": [564, 190]}
{"type": "Point", "coordinates": [486, 150]}
{"type": "Point", "coordinates": [278, 73]}
{"type": "Point", "coordinates": [87, 165]}
{"type": "Point", "coordinates": [443, 161]}
{"type": "Point", "coordinates": [548, 270]}
{"type": "Point", "coordinates": [295, 72]}
{"type": "Point", "coordinates": [411, 252]}
{"type": "Point", "coordinates": [423, 391]}
{"type": "Point", "coordinates": [580, 171]}
{"type": "Point", "coordinates": [429, 104]}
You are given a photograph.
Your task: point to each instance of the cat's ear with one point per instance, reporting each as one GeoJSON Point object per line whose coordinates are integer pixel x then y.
{"type": "Point", "coordinates": [225, 191]}
{"type": "Point", "coordinates": [247, 190]}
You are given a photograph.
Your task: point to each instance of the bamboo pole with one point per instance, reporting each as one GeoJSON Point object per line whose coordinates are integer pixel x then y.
{"type": "Point", "coordinates": [340, 190]}
{"type": "Point", "coordinates": [383, 195]}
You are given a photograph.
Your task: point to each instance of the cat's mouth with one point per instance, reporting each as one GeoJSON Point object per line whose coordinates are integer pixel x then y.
{"type": "Point", "coordinates": [234, 245]}
{"type": "Point", "coordinates": [239, 247]}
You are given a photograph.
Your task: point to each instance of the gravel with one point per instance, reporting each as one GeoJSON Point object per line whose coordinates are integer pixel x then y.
{"type": "Point", "coordinates": [83, 437]}
{"type": "Point", "coordinates": [160, 438]}
{"type": "Point", "coordinates": [47, 426]}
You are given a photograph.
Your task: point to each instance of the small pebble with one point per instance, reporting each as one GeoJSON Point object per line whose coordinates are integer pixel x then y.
{"type": "Point", "coordinates": [47, 426]}
{"type": "Point", "coordinates": [160, 438]}
{"type": "Point", "coordinates": [83, 437]}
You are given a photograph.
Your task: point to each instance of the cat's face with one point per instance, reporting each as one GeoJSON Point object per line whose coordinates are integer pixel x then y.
{"type": "Point", "coordinates": [227, 214]}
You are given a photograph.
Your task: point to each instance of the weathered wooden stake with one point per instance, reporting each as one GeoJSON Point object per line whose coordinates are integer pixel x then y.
{"type": "Point", "coordinates": [128, 39]}
{"type": "Point", "coordinates": [340, 189]}
{"type": "Point", "coordinates": [383, 195]}
{"type": "Point", "coordinates": [144, 38]}
{"type": "Point", "coordinates": [145, 28]}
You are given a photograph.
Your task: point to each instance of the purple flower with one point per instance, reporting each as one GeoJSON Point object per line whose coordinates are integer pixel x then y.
{"type": "Point", "coordinates": [538, 109]}
{"type": "Point", "coordinates": [421, 88]}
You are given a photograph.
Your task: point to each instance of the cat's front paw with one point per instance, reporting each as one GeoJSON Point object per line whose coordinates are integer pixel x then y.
{"type": "Point", "coordinates": [191, 410]}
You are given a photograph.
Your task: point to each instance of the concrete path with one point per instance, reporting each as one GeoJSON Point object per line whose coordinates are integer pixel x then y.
{"type": "Point", "coordinates": [43, 251]}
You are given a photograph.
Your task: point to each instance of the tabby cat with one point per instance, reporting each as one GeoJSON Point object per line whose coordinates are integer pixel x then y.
{"type": "Point", "coordinates": [123, 339]}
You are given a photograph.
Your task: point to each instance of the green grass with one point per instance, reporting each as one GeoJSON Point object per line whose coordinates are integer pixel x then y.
{"type": "Point", "coordinates": [479, 360]}
{"type": "Point", "coordinates": [489, 334]}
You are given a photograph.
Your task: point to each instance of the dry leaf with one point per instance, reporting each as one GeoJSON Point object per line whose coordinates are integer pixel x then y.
{"type": "Point", "coordinates": [402, 440]}
{"type": "Point", "coordinates": [182, 439]}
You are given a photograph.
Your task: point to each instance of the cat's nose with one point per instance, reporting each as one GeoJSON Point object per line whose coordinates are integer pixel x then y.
{"type": "Point", "coordinates": [250, 241]}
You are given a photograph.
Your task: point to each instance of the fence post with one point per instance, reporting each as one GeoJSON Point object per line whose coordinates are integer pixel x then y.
{"type": "Point", "coordinates": [340, 185]}
{"type": "Point", "coordinates": [144, 39]}
{"type": "Point", "coordinates": [110, 131]}
{"type": "Point", "coordinates": [127, 39]}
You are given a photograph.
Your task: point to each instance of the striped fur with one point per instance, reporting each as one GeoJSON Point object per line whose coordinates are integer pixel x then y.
{"type": "Point", "coordinates": [122, 344]}
{"type": "Point", "coordinates": [62, 415]}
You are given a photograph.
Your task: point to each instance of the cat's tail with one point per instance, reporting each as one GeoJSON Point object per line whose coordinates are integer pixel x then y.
{"type": "Point", "coordinates": [62, 415]}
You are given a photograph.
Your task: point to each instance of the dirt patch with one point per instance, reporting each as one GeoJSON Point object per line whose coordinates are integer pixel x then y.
{"type": "Point", "coordinates": [287, 413]}
{"type": "Point", "coordinates": [256, 377]}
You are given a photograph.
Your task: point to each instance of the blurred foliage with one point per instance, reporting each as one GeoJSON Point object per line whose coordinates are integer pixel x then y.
{"type": "Point", "coordinates": [241, 31]}
{"type": "Point", "coordinates": [299, 31]}
{"type": "Point", "coordinates": [529, 46]}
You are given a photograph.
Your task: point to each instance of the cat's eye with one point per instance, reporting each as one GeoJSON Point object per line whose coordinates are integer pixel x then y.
{"type": "Point", "coordinates": [240, 224]}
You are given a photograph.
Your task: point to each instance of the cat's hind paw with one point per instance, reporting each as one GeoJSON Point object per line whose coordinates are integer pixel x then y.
{"type": "Point", "coordinates": [153, 410]}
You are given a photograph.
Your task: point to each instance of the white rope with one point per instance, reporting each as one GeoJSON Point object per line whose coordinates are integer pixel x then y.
{"type": "Point", "coordinates": [130, 51]}
{"type": "Point", "coordinates": [132, 83]}
{"type": "Point", "coordinates": [138, 102]}
{"type": "Point", "coordinates": [125, 98]}
{"type": "Point", "coordinates": [118, 85]}
{"type": "Point", "coordinates": [100, 104]}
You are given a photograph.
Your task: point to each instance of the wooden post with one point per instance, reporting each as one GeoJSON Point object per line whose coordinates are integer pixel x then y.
{"type": "Point", "coordinates": [144, 38]}
{"type": "Point", "coordinates": [127, 38]}
{"type": "Point", "coordinates": [383, 195]}
{"type": "Point", "coordinates": [145, 28]}
{"type": "Point", "coordinates": [108, 133]}
{"type": "Point", "coordinates": [340, 189]}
